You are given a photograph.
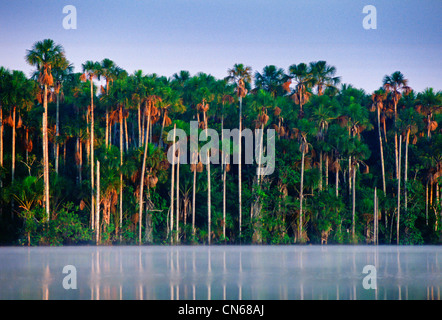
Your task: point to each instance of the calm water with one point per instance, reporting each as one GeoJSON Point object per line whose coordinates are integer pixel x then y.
{"type": "Point", "coordinates": [222, 272]}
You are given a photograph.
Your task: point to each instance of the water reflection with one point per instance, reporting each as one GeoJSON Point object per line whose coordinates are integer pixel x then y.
{"type": "Point", "coordinates": [222, 273]}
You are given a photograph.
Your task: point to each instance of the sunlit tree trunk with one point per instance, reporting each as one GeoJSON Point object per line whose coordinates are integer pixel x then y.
{"type": "Point", "coordinates": [407, 140]}
{"type": "Point", "coordinates": [45, 152]}
{"type": "Point", "coordinates": [92, 152]}
{"type": "Point", "coordinates": [57, 132]}
{"type": "Point", "coordinates": [121, 164]}
{"type": "Point", "coordinates": [399, 191]}
{"type": "Point", "coordinates": [193, 197]}
{"type": "Point", "coordinates": [172, 186]}
{"type": "Point", "coordinates": [301, 196]}
{"type": "Point", "coordinates": [143, 171]}
{"type": "Point", "coordinates": [239, 168]}
{"type": "Point", "coordinates": [98, 204]}
{"type": "Point", "coordinates": [178, 199]}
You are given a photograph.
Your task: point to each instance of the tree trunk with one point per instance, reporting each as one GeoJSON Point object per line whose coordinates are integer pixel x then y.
{"type": "Point", "coordinates": [354, 205]}
{"type": "Point", "coordinates": [13, 143]}
{"type": "Point", "coordinates": [320, 171]}
{"type": "Point", "coordinates": [98, 205]}
{"type": "Point", "coordinates": [45, 152]}
{"type": "Point", "coordinates": [337, 183]}
{"type": "Point", "coordinates": [172, 186]}
{"type": "Point", "coordinates": [301, 196]}
{"type": "Point", "coordinates": [177, 237]}
{"type": "Point", "coordinates": [407, 139]}
{"type": "Point", "coordinates": [107, 128]}
{"type": "Point", "coordinates": [139, 125]}
{"type": "Point", "coordinates": [92, 153]}
{"type": "Point", "coordinates": [239, 167]}
{"type": "Point", "coordinates": [143, 171]}
{"type": "Point", "coordinates": [399, 191]}
{"type": "Point", "coordinates": [326, 171]}
{"type": "Point", "coordinates": [126, 135]}
{"type": "Point", "coordinates": [223, 163]}
{"type": "Point", "coordinates": [121, 164]}
{"type": "Point", "coordinates": [193, 202]}
{"type": "Point", "coordinates": [57, 132]}
{"type": "Point", "coordinates": [384, 186]}
{"type": "Point", "coordinates": [426, 203]}
{"type": "Point", "coordinates": [209, 198]}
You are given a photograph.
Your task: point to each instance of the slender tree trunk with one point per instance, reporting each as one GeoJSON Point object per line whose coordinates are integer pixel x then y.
{"type": "Point", "coordinates": [426, 203]}
{"type": "Point", "coordinates": [375, 218]}
{"type": "Point", "coordinates": [223, 163]}
{"type": "Point", "coordinates": [126, 135]}
{"type": "Point", "coordinates": [301, 196]}
{"type": "Point", "coordinates": [399, 191]}
{"type": "Point", "coordinates": [239, 167]}
{"type": "Point", "coordinates": [224, 201]}
{"type": "Point", "coordinates": [98, 204]}
{"type": "Point", "coordinates": [143, 171]}
{"type": "Point", "coordinates": [92, 153]}
{"type": "Point", "coordinates": [209, 198]}
{"type": "Point", "coordinates": [107, 128]}
{"type": "Point", "coordinates": [406, 170]}
{"type": "Point", "coordinates": [384, 186]}
{"type": "Point", "coordinates": [121, 164]}
{"type": "Point", "coordinates": [177, 238]}
{"type": "Point", "coordinates": [193, 202]}
{"type": "Point", "coordinates": [57, 132]}
{"type": "Point", "coordinates": [320, 171]}
{"type": "Point", "coordinates": [326, 171]}
{"type": "Point", "coordinates": [337, 183]}
{"type": "Point", "coordinates": [172, 186]}
{"type": "Point", "coordinates": [13, 143]}
{"type": "Point", "coordinates": [45, 153]}
{"type": "Point", "coordinates": [139, 125]}
{"type": "Point", "coordinates": [354, 204]}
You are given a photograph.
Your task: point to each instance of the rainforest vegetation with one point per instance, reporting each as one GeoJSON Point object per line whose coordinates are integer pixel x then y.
{"type": "Point", "coordinates": [83, 156]}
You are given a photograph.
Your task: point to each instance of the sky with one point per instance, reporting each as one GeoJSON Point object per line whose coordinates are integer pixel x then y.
{"type": "Point", "coordinates": [166, 36]}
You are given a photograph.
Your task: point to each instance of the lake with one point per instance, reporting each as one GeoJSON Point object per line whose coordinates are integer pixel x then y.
{"type": "Point", "coordinates": [222, 272]}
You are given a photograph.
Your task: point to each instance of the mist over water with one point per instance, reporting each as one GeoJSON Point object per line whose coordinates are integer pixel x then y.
{"type": "Point", "coordinates": [222, 272]}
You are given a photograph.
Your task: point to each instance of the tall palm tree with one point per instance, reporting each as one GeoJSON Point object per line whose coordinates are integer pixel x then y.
{"type": "Point", "coordinates": [396, 85]}
{"type": "Point", "coordinates": [324, 76]}
{"type": "Point", "coordinates": [44, 55]}
{"type": "Point", "coordinates": [303, 77]}
{"type": "Point", "coordinates": [61, 71]}
{"type": "Point", "coordinates": [240, 75]}
{"type": "Point", "coordinates": [271, 80]}
{"type": "Point", "coordinates": [91, 70]}
{"type": "Point", "coordinates": [378, 98]}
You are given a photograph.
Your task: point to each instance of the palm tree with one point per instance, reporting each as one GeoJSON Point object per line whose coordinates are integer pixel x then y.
{"type": "Point", "coordinates": [378, 98]}
{"type": "Point", "coordinates": [44, 55]}
{"type": "Point", "coordinates": [91, 70]}
{"type": "Point", "coordinates": [61, 71]}
{"type": "Point", "coordinates": [395, 85]}
{"type": "Point", "coordinates": [240, 75]}
{"type": "Point", "coordinates": [303, 76]}
{"type": "Point", "coordinates": [271, 80]}
{"type": "Point", "coordinates": [324, 76]}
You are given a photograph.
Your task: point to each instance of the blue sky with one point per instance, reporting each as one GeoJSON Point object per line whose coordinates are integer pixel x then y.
{"type": "Point", "coordinates": [211, 35]}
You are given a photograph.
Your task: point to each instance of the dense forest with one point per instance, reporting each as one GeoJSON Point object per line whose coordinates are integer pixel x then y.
{"type": "Point", "coordinates": [83, 157]}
